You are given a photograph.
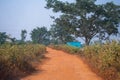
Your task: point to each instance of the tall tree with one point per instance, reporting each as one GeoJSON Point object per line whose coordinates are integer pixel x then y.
{"type": "Point", "coordinates": [86, 19]}
{"type": "Point", "coordinates": [23, 35]}
{"type": "Point", "coordinates": [40, 35]}
{"type": "Point", "coordinates": [3, 37]}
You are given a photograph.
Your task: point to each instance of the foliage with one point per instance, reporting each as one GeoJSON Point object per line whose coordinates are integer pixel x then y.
{"type": "Point", "coordinates": [66, 48]}
{"type": "Point", "coordinates": [23, 35]}
{"type": "Point", "coordinates": [3, 37]}
{"type": "Point", "coordinates": [104, 59]}
{"type": "Point", "coordinates": [16, 59]}
{"type": "Point", "coordinates": [86, 19]}
{"type": "Point", "coordinates": [40, 35]}
{"type": "Point", "coordinates": [60, 35]}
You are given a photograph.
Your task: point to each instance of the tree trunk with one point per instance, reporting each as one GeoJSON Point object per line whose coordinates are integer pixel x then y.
{"type": "Point", "coordinates": [87, 41]}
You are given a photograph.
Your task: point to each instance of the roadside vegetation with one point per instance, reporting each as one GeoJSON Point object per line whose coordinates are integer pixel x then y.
{"type": "Point", "coordinates": [104, 59]}
{"type": "Point", "coordinates": [65, 48]}
{"type": "Point", "coordinates": [79, 19]}
{"type": "Point", "coordinates": [16, 60]}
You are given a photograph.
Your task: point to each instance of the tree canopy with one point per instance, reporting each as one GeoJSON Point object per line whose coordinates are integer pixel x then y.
{"type": "Point", "coordinates": [86, 19]}
{"type": "Point", "coordinates": [40, 35]}
{"type": "Point", "coordinates": [59, 35]}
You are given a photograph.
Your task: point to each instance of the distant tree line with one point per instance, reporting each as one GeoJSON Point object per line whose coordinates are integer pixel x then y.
{"type": "Point", "coordinates": [40, 35]}
{"type": "Point", "coordinates": [5, 38]}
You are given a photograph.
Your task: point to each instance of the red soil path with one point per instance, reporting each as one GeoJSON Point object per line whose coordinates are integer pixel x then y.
{"type": "Point", "coordinates": [62, 66]}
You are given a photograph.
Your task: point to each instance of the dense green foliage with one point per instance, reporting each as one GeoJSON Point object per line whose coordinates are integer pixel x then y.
{"type": "Point", "coordinates": [40, 35]}
{"type": "Point", "coordinates": [60, 35]}
{"type": "Point", "coordinates": [103, 59]}
{"type": "Point", "coordinates": [85, 19]}
{"type": "Point", "coordinates": [17, 59]}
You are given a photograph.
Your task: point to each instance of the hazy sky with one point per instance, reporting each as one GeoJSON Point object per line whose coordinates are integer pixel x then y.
{"type": "Point", "coordinates": [16, 15]}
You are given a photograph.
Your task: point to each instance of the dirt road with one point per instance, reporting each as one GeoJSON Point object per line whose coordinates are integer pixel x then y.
{"type": "Point", "coordinates": [62, 66]}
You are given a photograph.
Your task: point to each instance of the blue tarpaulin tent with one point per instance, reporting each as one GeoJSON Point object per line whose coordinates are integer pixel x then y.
{"type": "Point", "coordinates": [75, 44]}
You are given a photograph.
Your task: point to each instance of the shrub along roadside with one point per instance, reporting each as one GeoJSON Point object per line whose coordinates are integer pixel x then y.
{"type": "Point", "coordinates": [65, 48]}
{"type": "Point", "coordinates": [16, 59]}
{"type": "Point", "coordinates": [105, 59]}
